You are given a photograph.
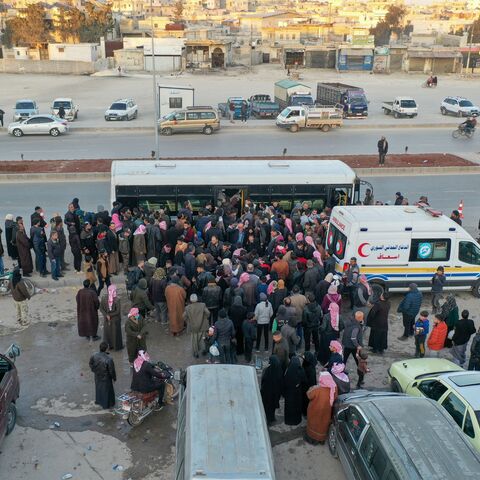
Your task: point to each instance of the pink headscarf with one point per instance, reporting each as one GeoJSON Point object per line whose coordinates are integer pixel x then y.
{"type": "Point", "coordinates": [272, 286]}
{"type": "Point", "coordinates": [364, 281]}
{"type": "Point", "coordinates": [140, 230]}
{"type": "Point", "coordinates": [133, 312]}
{"type": "Point", "coordinates": [244, 278]}
{"type": "Point", "coordinates": [138, 362]}
{"type": "Point", "coordinates": [112, 294]}
{"type": "Point", "coordinates": [299, 237]}
{"type": "Point", "coordinates": [326, 380]}
{"type": "Point", "coordinates": [334, 309]}
{"type": "Point", "coordinates": [310, 241]}
{"type": "Point", "coordinates": [118, 223]}
{"type": "Point", "coordinates": [338, 371]}
{"type": "Point", "coordinates": [318, 256]}
{"type": "Point", "coordinates": [337, 346]}
{"type": "Point", "coordinates": [289, 225]}
{"type": "Point", "coordinates": [332, 289]}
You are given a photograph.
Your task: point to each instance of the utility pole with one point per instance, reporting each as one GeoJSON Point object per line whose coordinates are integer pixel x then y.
{"type": "Point", "coordinates": [155, 88]}
{"type": "Point", "coordinates": [470, 46]}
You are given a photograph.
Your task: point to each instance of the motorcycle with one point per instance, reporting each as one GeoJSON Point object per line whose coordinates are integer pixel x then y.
{"type": "Point", "coordinates": [462, 131]}
{"type": "Point", "coordinates": [134, 407]}
{"type": "Point", "coordinates": [5, 284]}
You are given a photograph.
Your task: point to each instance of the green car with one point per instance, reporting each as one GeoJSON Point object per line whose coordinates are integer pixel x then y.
{"type": "Point", "coordinates": [456, 389]}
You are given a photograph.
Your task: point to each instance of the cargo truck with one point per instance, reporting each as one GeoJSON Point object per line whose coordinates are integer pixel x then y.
{"type": "Point", "coordinates": [290, 92]}
{"type": "Point", "coordinates": [352, 99]}
{"type": "Point", "coordinates": [296, 117]}
{"type": "Point", "coordinates": [262, 106]}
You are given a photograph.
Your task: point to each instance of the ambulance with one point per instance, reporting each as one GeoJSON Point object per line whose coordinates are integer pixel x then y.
{"type": "Point", "coordinates": [398, 245]}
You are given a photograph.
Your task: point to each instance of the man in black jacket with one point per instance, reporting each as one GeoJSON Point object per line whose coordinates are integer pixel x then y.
{"type": "Point", "coordinates": [102, 365]}
{"type": "Point", "coordinates": [382, 146]}
{"type": "Point", "coordinates": [54, 250]}
{"type": "Point", "coordinates": [311, 319]}
{"type": "Point", "coordinates": [464, 329]}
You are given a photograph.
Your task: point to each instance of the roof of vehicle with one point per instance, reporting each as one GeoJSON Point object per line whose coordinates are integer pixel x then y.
{"type": "Point", "coordinates": [224, 409]}
{"type": "Point", "coordinates": [398, 217]}
{"type": "Point", "coordinates": [53, 117]}
{"type": "Point", "coordinates": [63, 100]}
{"type": "Point", "coordinates": [418, 367]}
{"type": "Point", "coordinates": [246, 172]}
{"type": "Point", "coordinates": [25, 100]}
{"type": "Point", "coordinates": [456, 97]}
{"type": "Point", "coordinates": [289, 83]}
{"type": "Point", "coordinates": [424, 430]}
{"type": "Point", "coordinates": [467, 384]}
{"type": "Point", "coordinates": [404, 98]}
{"type": "Point", "coordinates": [123, 100]}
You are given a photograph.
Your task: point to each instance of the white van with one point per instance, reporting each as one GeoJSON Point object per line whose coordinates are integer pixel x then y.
{"type": "Point", "coordinates": [221, 427]}
{"type": "Point", "coordinates": [399, 245]}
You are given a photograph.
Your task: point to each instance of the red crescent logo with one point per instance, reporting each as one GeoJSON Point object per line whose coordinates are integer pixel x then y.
{"type": "Point", "coordinates": [361, 248]}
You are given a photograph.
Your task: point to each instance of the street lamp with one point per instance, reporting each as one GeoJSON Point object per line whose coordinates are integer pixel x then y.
{"type": "Point", "coordinates": [155, 89]}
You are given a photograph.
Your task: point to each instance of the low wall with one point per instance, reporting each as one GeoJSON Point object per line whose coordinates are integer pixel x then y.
{"type": "Point", "coordinates": [8, 65]}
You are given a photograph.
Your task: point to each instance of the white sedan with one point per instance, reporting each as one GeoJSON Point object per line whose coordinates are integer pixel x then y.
{"type": "Point", "coordinates": [39, 125]}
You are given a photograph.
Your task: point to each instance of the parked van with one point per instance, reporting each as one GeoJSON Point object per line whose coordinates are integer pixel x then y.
{"type": "Point", "coordinates": [390, 436]}
{"type": "Point", "coordinates": [221, 427]}
{"type": "Point", "coordinates": [399, 245]}
{"type": "Point", "coordinates": [192, 119]}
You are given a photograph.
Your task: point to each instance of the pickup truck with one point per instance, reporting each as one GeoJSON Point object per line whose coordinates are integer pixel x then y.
{"type": "Point", "coordinates": [9, 390]}
{"type": "Point", "coordinates": [401, 107]}
{"type": "Point", "coordinates": [70, 107]}
{"type": "Point", "coordinates": [324, 118]}
{"type": "Point", "coordinates": [223, 108]}
{"type": "Point", "coordinates": [262, 106]}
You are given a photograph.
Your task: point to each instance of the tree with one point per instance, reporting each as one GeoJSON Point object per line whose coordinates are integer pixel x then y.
{"type": "Point", "coordinates": [98, 22]}
{"type": "Point", "coordinates": [178, 10]}
{"type": "Point", "coordinates": [391, 23]}
{"type": "Point", "coordinates": [32, 28]}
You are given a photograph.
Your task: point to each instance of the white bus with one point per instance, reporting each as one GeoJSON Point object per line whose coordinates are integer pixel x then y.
{"type": "Point", "coordinates": [168, 184]}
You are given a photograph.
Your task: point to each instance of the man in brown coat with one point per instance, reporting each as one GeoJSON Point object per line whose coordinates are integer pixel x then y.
{"type": "Point", "coordinates": [175, 296]}
{"type": "Point", "coordinates": [196, 317]}
{"type": "Point", "coordinates": [23, 246]}
{"type": "Point", "coordinates": [87, 312]}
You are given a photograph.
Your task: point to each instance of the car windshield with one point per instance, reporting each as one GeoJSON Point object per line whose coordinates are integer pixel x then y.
{"type": "Point", "coordinates": [119, 106]}
{"type": "Point", "coordinates": [59, 104]}
{"type": "Point", "coordinates": [25, 106]}
{"type": "Point", "coordinates": [466, 103]}
{"type": "Point", "coordinates": [408, 103]}
{"type": "Point", "coordinates": [285, 112]}
{"type": "Point", "coordinates": [170, 116]}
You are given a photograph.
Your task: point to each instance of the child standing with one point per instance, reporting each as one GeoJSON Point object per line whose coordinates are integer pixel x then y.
{"type": "Point", "coordinates": [249, 328]}
{"type": "Point", "coordinates": [422, 327]}
{"type": "Point", "coordinates": [362, 366]}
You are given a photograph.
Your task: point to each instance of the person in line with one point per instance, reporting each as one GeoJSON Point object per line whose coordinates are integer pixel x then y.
{"type": "Point", "coordinates": [87, 312]}
{"type": "Point", "coordinates": [352, 339]}
{"type": "Point", "coordinates": [280, 349]}
{"type": "Point", "coordinates": [319, 413]}
{"type": "Point", "coordinates": [111, 309]}
{"type": "Point", "coordinates": [449, 312]}
{"type": "Point", "coordinates": [293, 384]}
{"type": "Point", "coordinates": [474, 362]}
{"type": "Point", "coordinates": [140, 298]}
{"type": "Point", "coordinates": [263, 314]}
{"type": "Point", "coordinates": [102, 270]}
{"type": "Point", "coordinates": [308, 365]}
{"type": "Point", "coordinates": [148, 378]}
{"type": "Point", "coordinates": [175, 295]}
{"type": "Point", "coordinates": [156, 291]}
{"type": "Point", "coordinates": [20, 296]}
{"type": "Point", "coordinates": [196, 317]}
{"type": "Point", "coordinates": [289, 333]}
{"type": "Point", "coordinates": [351, 279]}
{"type": "Point", "coordinates": [224, 333]}
{"type": "Point", "coordinates": [377, 320]}
{"type": "Point", "coordinates": [422, 328]}
{"type": "Point", "coordinates": [237, 314]}
{"type": "Point", "coordinates": [438, 282]}
{"type": "Point", "coordinates": [409, 308]}
{"type": "Point", "coordinates": [54, 251]}
{"type": "Point", "coordinates": [436, 340]}
{"type": "Point", "coordinates": [23, 248]}
{"type": "Point", "coordinates": [464, 329]}
{"type": "Point", "coordinates": [311, 320]}
{"type": "Point", "coordinates": [103, 366]}
{"type": "Point", "coordinates": [271, 388]}
{"type": "Point", "coordinates": [363, 297]}
{"type": "Point", "coordinates": [135, 331]}
{"type": "Point", "coordinates": [362, 366]}
{"type": "Point", "coordinates": [382, 147]}
{"type": "Point", "coordinates": [332, 325]}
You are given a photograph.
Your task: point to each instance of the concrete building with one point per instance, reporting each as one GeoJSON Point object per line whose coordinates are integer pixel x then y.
{"type": "Point", "coordinates": [206, 54]}
{"type": "Point", "coordinates": [433, 60]}
{"type": "Point", "coordinates": [74, 52]}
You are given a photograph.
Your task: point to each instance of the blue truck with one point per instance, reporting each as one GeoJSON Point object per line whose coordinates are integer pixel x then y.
{"type": "Point", "coordinates": [352, 99]}
{"type": "Point", "coordinates": [262, 106]}
{"type": "Point", "coordinates": [224, 108]}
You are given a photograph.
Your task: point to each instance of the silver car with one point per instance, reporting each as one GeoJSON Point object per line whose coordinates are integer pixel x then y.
{"type": "Point", "coordinates": [39, 125]}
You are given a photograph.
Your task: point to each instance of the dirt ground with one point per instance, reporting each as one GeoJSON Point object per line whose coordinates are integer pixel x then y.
{"type": "Point", "coordinates": [354, 161]}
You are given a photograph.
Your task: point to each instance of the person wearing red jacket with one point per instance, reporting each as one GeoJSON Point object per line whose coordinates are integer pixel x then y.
{"type": "Point", "coordinates": [436, 340]}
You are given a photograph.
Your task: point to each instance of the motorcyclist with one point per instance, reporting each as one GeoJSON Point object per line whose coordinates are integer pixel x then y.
{"type": "Point", "coordinates": [469, 124]}
{"type": "Point", "coordinates": [148, 378]}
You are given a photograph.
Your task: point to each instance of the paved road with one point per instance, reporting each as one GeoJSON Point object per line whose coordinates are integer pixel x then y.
{"type": "Point", "coordinates": [230, 141]}
{"type": "Point", "coordinates": [444, 192]}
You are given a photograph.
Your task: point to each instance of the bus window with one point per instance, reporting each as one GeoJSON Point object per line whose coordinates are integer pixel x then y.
{"type": "Point", "coordinates": [469, 253]}
{"type": "Point", "coordinates": [430, 250]}
{"type": "Point", "coordinates": [283, 194]}
{"type": "Point", "coordinates": [314, 196]}
{"type": "Point", "coordinates": [341, 196]}
{"type": "Point", "coordinates": [259, 193]}
{"type": "Point", "coordinates": [198, 196]}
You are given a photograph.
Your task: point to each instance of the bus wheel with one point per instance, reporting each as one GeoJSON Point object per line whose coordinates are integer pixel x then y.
{"type": "Point", "coordinates": [476, 289]}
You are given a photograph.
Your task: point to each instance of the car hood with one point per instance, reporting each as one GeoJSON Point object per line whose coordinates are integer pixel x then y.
{"type": "Point", "coordinates": [24, 110]}
{"type": "Point", "coordinates": [15, 124]}
{"type": "Point", "coordinates": [423, 366]}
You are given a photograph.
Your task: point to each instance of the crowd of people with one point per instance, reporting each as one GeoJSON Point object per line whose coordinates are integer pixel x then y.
{"type": "Point", "coordinates": [235, 279]}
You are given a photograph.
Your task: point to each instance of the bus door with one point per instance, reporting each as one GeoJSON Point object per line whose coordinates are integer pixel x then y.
{"type": "Point", "coordinates": [341, 195]}
{"type": "Point", "coordinates": [234, 195]}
